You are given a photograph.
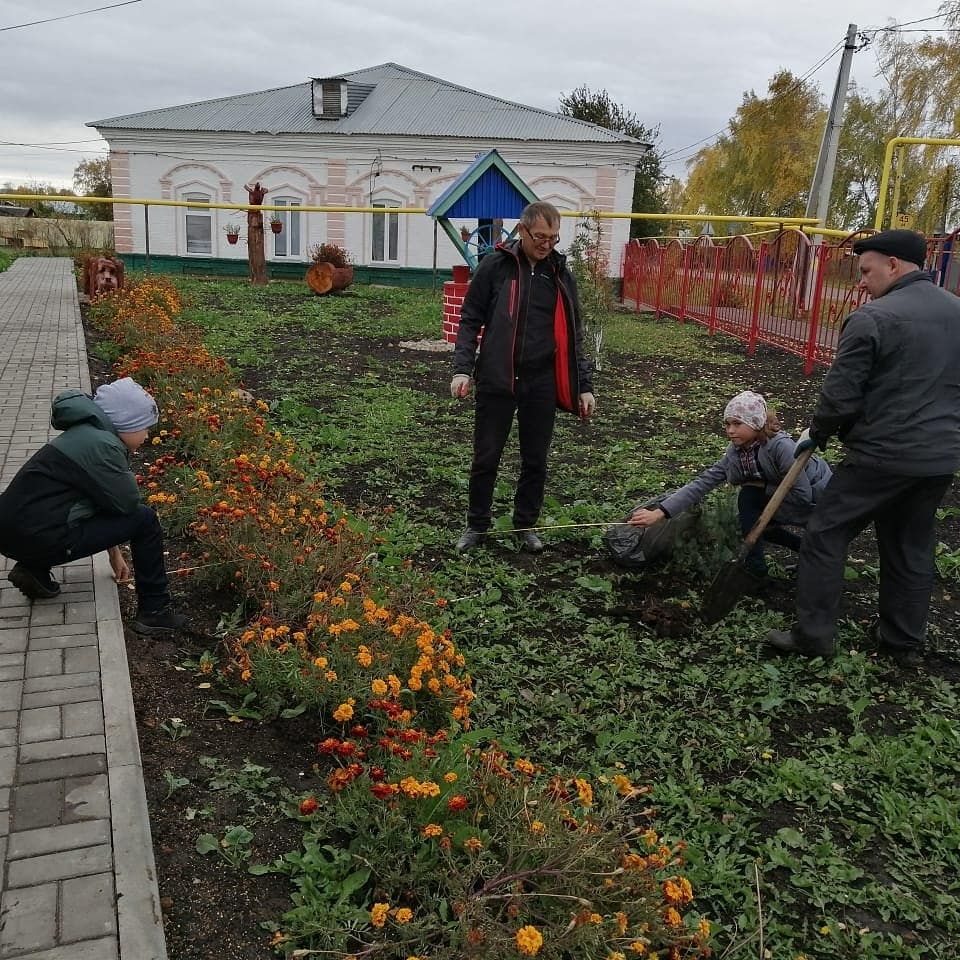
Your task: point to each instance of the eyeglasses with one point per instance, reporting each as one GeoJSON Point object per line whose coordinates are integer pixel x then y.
{"type": "Point", "coordinates": [552, 238]}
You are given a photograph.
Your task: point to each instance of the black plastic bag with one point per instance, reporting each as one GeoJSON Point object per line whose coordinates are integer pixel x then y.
{"type": "Point", "coordinates": [636, 547]}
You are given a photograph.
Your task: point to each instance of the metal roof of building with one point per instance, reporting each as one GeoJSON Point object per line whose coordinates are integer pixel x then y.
{"type": "Point", "coordinates": [384, 100]}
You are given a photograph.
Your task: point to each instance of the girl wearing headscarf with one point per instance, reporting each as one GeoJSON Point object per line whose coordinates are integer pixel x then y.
{"type": "Point", "coordinates": [758, 458]}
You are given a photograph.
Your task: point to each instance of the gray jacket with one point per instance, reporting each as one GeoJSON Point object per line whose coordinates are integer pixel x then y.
{"type": "Point", "coordinates": [775, 458]}
{"type": "Point", "coordinates": [893, 392]}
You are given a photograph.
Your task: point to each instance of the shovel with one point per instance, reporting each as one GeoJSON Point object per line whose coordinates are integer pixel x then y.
{"type": "Point", "coordinates": [734, 579]}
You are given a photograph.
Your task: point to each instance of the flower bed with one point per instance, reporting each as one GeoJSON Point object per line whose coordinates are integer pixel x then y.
{"type": "Point", "coordinates": [427, 840]}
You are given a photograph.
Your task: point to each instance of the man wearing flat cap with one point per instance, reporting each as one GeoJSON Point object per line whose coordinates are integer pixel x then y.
{"type": "Point", "coordinates": [892, 396]}
{"type": "Point", "coordinates": [77, 496]}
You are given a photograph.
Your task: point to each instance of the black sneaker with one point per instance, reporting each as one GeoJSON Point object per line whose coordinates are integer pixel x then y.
{"type": "Point", "coordinates": [468, 540]}
{"type": "Point", "coordinates": [166, 620]}
{"type": "Point", "coordinates": [30, 585]}
{"type": "Point", "coordinates": [789, 641]}
{"type": "Point", "coordinates": [530, 542]}
{"type": "Point", "coordinates": [907, 657]}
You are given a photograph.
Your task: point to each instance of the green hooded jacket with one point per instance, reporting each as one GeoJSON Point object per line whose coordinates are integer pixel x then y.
{"type": "Point", "coordinates": [82, 473]}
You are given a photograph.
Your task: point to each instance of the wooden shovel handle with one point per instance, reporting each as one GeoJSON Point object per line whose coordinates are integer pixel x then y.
{"type": "Point", "coordinates": [786, 484]}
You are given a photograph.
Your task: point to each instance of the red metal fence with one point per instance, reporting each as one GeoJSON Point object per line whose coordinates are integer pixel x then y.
{"type": "Point", "coordinates": [787, 291]}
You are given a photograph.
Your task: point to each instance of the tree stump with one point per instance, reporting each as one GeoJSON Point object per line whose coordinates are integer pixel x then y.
{"type": "Point", "coordinates": [324, 277]}
{"type": "Point", "coordinates": [255, 249]}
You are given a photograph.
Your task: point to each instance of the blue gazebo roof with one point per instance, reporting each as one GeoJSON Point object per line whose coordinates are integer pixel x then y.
{"type": "Point", "coordinates": [489, 187]}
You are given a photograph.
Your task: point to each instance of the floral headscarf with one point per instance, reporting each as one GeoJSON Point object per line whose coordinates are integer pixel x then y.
{"type": "Point", "coordinates": [749, 408]}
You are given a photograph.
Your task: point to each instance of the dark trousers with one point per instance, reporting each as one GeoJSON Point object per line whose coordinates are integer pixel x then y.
{"type": "Point", "coordinates": [535, 405]}
{"type": "Point", "coordinates": [903, 512]}
{"type": "Point", "coordinates": [751, 502]}
{"type": "Point", "coordinates": [141, 529]}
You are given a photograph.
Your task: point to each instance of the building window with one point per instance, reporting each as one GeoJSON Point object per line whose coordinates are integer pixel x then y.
{"type": "Point", "coordinates": [287, 242]}
{"type": "Point", "coordinates": [199, 225]}
{"type": "Point", "coordinates": [386, 233]}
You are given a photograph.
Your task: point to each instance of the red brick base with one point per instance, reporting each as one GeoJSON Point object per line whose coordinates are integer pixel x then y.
{"type": "Point", "coordinates": [453, 294]}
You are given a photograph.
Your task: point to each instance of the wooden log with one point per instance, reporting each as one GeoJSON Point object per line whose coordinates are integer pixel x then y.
{"type": "Point", "coordinates": [323, 277]}
{"type": "Point", "coordinates": [320, 277]}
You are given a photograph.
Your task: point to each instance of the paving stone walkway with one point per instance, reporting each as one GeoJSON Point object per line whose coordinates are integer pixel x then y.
{"type": "Point", "coordinates": [77, 877]}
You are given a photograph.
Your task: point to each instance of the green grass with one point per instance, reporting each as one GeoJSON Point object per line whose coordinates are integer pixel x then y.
{"type": "Point", "coordinates": [831, 788]}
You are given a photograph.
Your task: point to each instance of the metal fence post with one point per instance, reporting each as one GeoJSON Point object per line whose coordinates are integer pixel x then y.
{"type": "Point", "coordinates": [146, 235]}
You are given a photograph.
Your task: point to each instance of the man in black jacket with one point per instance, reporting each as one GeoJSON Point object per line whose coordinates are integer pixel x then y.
{"type": "Point", "coordinates": [531, 361]}
{"type": "Point", "coordinates": [892, 396]}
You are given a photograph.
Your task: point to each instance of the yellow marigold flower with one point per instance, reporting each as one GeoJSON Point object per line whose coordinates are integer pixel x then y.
{"type": "Point", "coordinates": [473, 845]}
{"type": "Point", "coordinates": [650, 838]}
{"type": "Point", "coordinates": [584, 792]}
{"type": "Point", "coordinates": [529, 941]}
{"type": "Point", "coordinates": [432, 830]}
{"type": "Point", "coordinates": [346, 586]}
{"type": "Point", "coordinates": [337, 602]}
{"type": "Point", "coordinates": [622, 922]}
{"type": "Point", "coordinates": [450, 777]}
{"type": "Point", "coordinates": [624, 787]}
{"type": "Point", "coordinates": [395, 685]}
{"type": "Point", "coordinates": [703, 927]}
{"type": "Point", "coordinates": [378, 687]}
{"type": "Point", "coordinates": [299, 636]}
{"type": "Point", "coordinates": [379, 913]}
{"type": "Point", "coordinates": [525, 767]}
{"type": "Point", "coordinates": [343, 713]}
{"type": "Point", "coordinates": [320, 663]}
{"type": "Point", "coordinates": [331, 676]}
{"type": "Point", "coordinates": [364, 657]}
{"type": "Point", "coordinates": [320, 597]}
{"type": "Point", "coordinates": [403, 915]}
{"type": "Point", "coordinates": [616, 955]}
{"type": "Point", "coordinates": [433, 685]}
{"type": "Point", "coordinates": [638, 947]}
{"type": "Point", "coordinates": [538, 827]}
{"type": "Point", "coordinates": [672, 918]}
{"type": "Point", "coordinates": [595, 918]}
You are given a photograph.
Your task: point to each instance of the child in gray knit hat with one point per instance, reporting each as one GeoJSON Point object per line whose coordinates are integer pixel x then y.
{"type": "Point", "coordinates": [77, 496]}
{"type": "Point", "coordinates": [758, 457]}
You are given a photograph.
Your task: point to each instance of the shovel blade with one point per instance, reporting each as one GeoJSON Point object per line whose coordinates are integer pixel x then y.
{"type": "Point", "coordinates": [732, 582]}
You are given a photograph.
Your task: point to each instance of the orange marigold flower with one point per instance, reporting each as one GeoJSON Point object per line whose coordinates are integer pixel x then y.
{"type": "Point", "coordinates": [343, 713]}
{"type": "Point", "coordinates": [432, 830]}
{"type": "Point", "coordinates": [703, 927]}
{"type": "Point", "coordinates": [529, 941]}
{"type": "Point", "coordinates": [331, 676]}
{"type": "Point", "coordinates": [273, 585]}
{"type": "Point", "coordinates": [638, 947]}
{"type": "Point", "coordinates": [308, 805]}
{"type": "Point", "coordinates": [379, 913]}
{"type": "Point", "coordinates": [622, 922]}
{"type": "Point", "coordinates": [378, 687]}
{"type": "Point", "coordinates": [473, 845]}
{"type": "Point", "coordinates": [450, 777]}
{"type": "Point", "coordinates": [403, 915]}
{"type": "Point", "coordinates": [457, 802]}
{"type": "Point", "coordinates": [584, 792]}
{"type": "Point", "coordinates": [525, 767]}
{"type": "Point", "coordinates": [346, 586]}
{"type": "Point", "coordinates": [672, 918]}
{"type": "Point", "coordinates": [615, 955]}
{"type": "Point", "coordinates": [538, 827]}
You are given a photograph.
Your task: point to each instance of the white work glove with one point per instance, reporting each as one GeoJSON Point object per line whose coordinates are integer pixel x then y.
{"type": "Point", "coordinates": [806, 442]}
{"type": "Point", "coordinates": [460, 386]}
{"type": "Point", "coordinates": [588, 403]}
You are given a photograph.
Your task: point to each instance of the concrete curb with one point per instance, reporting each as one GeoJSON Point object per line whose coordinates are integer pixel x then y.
{"type": "Point", "coordinates": [139, 917]}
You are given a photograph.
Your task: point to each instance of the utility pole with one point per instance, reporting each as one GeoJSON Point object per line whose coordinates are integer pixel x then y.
{"type": "Point", "coordinates": [818, 202]}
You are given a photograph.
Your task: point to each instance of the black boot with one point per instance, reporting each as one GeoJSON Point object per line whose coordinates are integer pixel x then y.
{"type": "Point", "coordinates": [164, 620]}
{"type": "Point", "coordinates": [32, 585]}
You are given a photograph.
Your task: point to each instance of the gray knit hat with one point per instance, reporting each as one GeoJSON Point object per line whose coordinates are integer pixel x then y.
{"type": "Point", "coordinates": [127, 405]}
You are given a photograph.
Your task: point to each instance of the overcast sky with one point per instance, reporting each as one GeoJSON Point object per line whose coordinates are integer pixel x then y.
{"type": "Point", "coordinates": [680, 64]}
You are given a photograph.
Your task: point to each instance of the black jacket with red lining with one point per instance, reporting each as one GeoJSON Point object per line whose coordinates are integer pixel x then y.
{"type": "Point", "coordinates": [493, 303]}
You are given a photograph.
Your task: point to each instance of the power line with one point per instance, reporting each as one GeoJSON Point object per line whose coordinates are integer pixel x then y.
{"type": "Point", "coordinates": [67, 16]}
{"type": "Point", "coordinates": [822, 62]}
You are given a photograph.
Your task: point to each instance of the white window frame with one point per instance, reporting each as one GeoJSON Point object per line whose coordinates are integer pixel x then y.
{"type": "Point", "coordinates": [198, 215]}
{"type": "Point", "coordinates": [293, 223]}
{"type": "Point", "coordinates": [388, 224]}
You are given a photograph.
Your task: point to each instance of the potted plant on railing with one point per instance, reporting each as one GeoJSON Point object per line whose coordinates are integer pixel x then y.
{"type": "Point", "coordinates": [232, 231]}
{"type": "Point", "coordinates": [276, 224]}
{"type": "Point", "coordinates": [331, 269]}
